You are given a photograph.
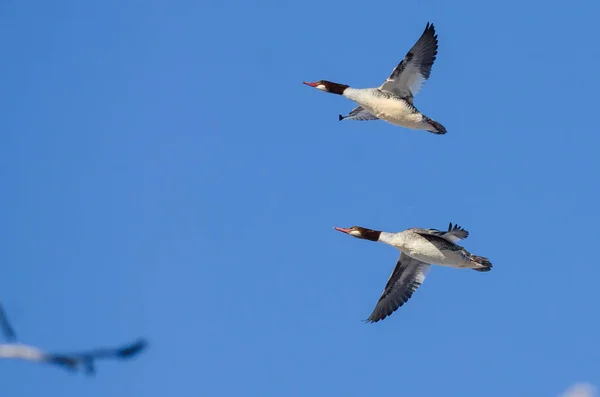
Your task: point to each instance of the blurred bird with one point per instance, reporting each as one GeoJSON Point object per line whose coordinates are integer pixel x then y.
{"type": "Point", "coordinates": [71, 361]}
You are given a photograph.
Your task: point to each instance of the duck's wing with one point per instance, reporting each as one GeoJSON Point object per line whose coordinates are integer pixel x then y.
{"type": "Point", "coordinates": [407, 276]}
{"type": "Point", "coordinates": [454, 233]}
{"type": "Point", "coordinates": [410, 75]}
{"type": "Point", "coordinates": [359, 114]}
{"type": "Point", "coordinates": [124, 351]}
{"type": "Point", "coordinates": [87, 358]}
{"type": "Point", "coordinates": [440, 241]}
{"type": "Point", "coordinates": [7, 329]}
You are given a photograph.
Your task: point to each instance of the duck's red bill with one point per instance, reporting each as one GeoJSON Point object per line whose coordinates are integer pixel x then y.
{"type": "Point", "coordinates": [311, 84]}
{"type": "Point", "coordinates": [342, 229]}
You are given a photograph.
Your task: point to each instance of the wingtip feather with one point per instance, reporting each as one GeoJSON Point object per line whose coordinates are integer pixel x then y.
{"type": "Point", "coordinates": [372, 320]}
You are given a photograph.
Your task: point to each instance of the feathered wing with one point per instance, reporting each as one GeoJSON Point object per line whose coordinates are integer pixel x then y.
{"type": "Point", "coordinates": [440, 241]}
{"type": "Point", "coordinates": [407, 276]}
{"type": "Point", "coordinates": [455, 233]}
{"type": "Point", "coordinates": [408, 77]}
{"type": "Point", "coordinates": [87, 359]}
{"type": "Point", "coordinates": [7, 329]}
{"type": "Point", "coordinates": [359, 114]}
{"type": "Point", "coordinates": [124, 351]}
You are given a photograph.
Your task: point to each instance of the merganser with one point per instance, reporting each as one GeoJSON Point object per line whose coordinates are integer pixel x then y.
{"type": "Point", "coordinates": [68, 361]}
{"type": "Point", "coordinates": [393, 100]}
{"type": "Point", "coordinates": [419, 249]}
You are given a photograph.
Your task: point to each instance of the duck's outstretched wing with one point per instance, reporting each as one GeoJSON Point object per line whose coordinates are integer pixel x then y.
{"type": "Point", "coordinates": [359, 114]}
{"type": "Point", "coordinates": [454, 233]}
{"type": "Point", "coordinates": [408, 275]}
{"type": "Point", "coordinates": [87, 359]}
{"type": "Point", "coordinates": [410, 75]}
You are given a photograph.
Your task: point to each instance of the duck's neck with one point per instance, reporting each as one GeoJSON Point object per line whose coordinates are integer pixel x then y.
{"type": "Point", "coordinates": [370, 234]}
{"type": "Point", "coordinates": [393, 239]}
{"type": "Point", "coordinates": [337, 88]}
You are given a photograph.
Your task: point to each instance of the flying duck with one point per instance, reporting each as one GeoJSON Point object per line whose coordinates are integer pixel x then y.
{"type": "Point", "coordinates": [419, 249]}
{"type": "Point", "coordinates": [71, 361]}
{"type": "Point", "coordinates": [393, 100]}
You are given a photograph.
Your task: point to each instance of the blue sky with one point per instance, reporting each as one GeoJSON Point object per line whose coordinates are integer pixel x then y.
{"type": "Point", "coordinates": [165, 174]}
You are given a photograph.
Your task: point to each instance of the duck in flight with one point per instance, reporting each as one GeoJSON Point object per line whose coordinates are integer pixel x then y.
{"type": "Point", "coordinates": [419, 249]}
{"type": "Point", "coordinates": [393, 100]}
{"type": "Point", "coordinates": [71, 361]}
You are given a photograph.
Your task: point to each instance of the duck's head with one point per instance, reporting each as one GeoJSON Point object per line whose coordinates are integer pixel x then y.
{"type": "Point", "coordinates": [360, 232]}
{"type": "Point", "coordinates": [328, 86]}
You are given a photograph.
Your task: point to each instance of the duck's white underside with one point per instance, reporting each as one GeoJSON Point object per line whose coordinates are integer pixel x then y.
{"type": "Point", "coordinates": [437, 257]}
{"type": "Point", "coordinates": [421, 249]}
{"type": "Point", "coordinates": [394, 111]}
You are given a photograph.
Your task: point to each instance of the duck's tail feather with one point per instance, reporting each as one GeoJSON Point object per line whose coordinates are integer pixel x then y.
{"type": "Point", "coordinates": [435, 127]}
{"type": "Point", "coordinates": [481, 263]}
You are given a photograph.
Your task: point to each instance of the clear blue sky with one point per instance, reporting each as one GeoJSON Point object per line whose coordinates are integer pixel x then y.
{"type": "Point", "coordinates": [165, 174]}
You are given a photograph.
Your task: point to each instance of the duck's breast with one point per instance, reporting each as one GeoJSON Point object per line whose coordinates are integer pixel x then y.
{"type": "Point", "coordinates": [388, 107]}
